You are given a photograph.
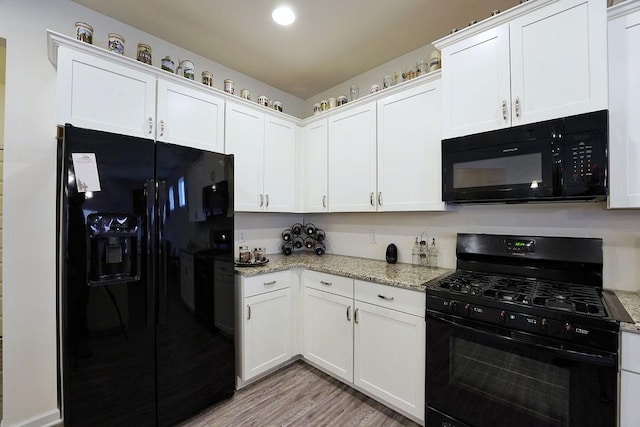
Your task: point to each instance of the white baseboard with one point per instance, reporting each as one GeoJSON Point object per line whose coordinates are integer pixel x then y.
{"type": "Point", "coordinates": [47, 419]}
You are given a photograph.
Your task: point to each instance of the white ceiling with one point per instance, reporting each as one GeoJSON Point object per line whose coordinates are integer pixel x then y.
{"type": "Point", "coordinates": [330, 42]}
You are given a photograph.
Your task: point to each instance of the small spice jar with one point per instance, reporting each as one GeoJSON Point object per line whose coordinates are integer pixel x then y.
{"type": "Point", "coordinates": [244, 254]}
{"type": "Point", "coordinates": [144, 53]}
{"type": "Point", "coordinates": [207, 78]}
{"type": "Point", "coordinates": [115, 43]}
{"type": "Point", "coordinates": [245, 94]}
{"type": "Point", "coordinates": [229, 86]}
{"type": "Point", "coordinates": [84, 32]}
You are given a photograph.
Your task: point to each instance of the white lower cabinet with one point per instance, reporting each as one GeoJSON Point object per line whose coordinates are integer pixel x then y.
{"type": "Point", "coordinates": [328, 323]}
{"type": "Point", "coordinates": [389, 348]}
{"type": "Point", "coordinates": [630, 380]}
{"type": "Point", "coordinates": [266, 323]}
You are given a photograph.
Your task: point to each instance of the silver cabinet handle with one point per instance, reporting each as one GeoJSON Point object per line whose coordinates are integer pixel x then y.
{"type": "Point", "coordinates": [150, 121]}
{"type": "Point", "coordinates": [355, 315]}
{"type": "Point", "coordinates": [380, 198]}
{"type": "Point", "coordinates": [517, 106]}
{"type": "Point", "coordinates": [326, 283]}
{"type": "Point", "coordinates": [324, 201]}
{"type": "Point", "coordinates": [161, 127]}
{"type": "Point", "coordinates": [371, 199]}
{"type": "Point", "coordinates": [248, 312]}
{"type": "Point", "coordinates": [273, 282]}
{"type": "Point", "coordinates": [266, 197]}
{"type": "Point", "coordinates": [261, 200]}
{"type": "Point", "coordinates": [349, 313]}
{"type": "Point", "coordinates": [504, 109]}
{"type": "Point", "coordinates": [385, 297]}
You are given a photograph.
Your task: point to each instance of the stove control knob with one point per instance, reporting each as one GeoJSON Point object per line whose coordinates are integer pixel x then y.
{"type": "Point", "coordinates": [544, 325]}
{"type": "Point", "coordinates": [567, 330]}
{"type": "Point", "coordinates": [453, 306]}
{"type": "Point", "coordinates": [467, 309]}
{"type": "Point", "coordinates": [503, 317]}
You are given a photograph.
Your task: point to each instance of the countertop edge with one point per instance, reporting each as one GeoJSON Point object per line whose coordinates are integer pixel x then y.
{"type": "Point", "coordinates": [631, 302]}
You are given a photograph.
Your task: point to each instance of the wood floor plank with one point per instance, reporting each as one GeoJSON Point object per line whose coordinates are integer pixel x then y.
{"type": "Point", "coordinates": [299, 395]}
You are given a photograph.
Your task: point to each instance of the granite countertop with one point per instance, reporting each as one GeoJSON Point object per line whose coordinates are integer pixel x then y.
{"type": "Point", "coordinates": [401, 275]}
{"type": "Point", "coordinates": [631, 303]}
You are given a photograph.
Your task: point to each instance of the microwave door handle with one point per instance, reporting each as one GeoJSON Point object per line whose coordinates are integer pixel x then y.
{"type": "Point", "coordinates": [519, 338]}
{"type": "Point", "coordinates": [558, 165]}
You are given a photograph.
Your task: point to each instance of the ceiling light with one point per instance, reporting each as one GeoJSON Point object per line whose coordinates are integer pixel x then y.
{"type": "Point", "coordinates": [283, 15]}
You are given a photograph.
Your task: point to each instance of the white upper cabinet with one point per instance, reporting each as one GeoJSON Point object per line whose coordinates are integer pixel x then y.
{"type": "Point", "coordinates": [264, 149]}
{"type": "Point", "coordinates": [244, 138]}
{"type": "Point", "coordinates": [537, 61]}
{"type": "Point", "coordinates": [279, 165]}
{"type": "Point", "coordinates": [315, 166]}
{"type": "Point", "coordinates": [409, 146]}
{"type": "Point", "coordinates": [95, 93]}
{"type": "Point", "coordinates": [352, 160]}
{"type": "Point", "coordinates": [190, 117]}
{"type": "Point", "coordinates": [624, 105]}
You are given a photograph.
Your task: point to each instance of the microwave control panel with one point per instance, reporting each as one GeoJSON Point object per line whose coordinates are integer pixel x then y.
{"type": "Point", "coordinates": [585, 162]}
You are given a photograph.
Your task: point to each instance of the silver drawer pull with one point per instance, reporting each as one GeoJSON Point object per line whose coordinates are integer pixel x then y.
{"type": "Point", "coordinates": [349, 313]}
{"type": "Point", "coordinates": [385, 297]}
{"type": "Point", "coordinates": [273, 282]}
{"type": "Point", "coordinates": [326, 283]}
{"type": "Point", "coordinates": [355, 315]}
{"type": "Point", "coordinates": [248, 312]}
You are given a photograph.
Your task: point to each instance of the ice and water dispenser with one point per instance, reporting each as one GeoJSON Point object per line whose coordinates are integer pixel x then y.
{"type": "Point", "coordinates": [114, 248]}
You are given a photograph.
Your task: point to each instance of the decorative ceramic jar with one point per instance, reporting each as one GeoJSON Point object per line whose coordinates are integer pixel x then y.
{"type": "Point", "coordinates": [245, 94]}
{"type": "Point", "coordinates": [167, 64]}
{"type": "Point", "coordinates": [277, 105]}
{"type": "Point", "coordinates": [84, 32]}
{"type": "Point", "coordinates": [144, 53]}
{"type": "Point", "coordinates": [115, 43]}
{"type": "Point", "coordinates": [263, 100]}
{"type": "Point", "coordinates": [188, 70]}
{"type": "Point", "coordinates": [341, 100]}
{"type": "Point", "coordinates": [207, 78]}
{"type": "Point", "coordinates": [229, 86]}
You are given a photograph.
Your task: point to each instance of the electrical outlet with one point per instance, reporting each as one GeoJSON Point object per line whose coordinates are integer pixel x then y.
{"type": "Point", "coordinates": [242, 236]}
{"type": "Point", "coordinates": [373, 237]}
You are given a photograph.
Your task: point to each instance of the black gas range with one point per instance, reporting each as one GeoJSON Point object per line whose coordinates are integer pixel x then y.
{"type": "Point", "coordinates": [520, 335]}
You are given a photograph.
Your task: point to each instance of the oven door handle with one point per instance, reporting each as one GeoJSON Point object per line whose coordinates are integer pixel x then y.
{"type": "Point", "coordinates": [566, 351]}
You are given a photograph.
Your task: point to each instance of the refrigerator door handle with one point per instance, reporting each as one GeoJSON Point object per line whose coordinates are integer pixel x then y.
{"type": "Point", "coordinates": [162, 252]}
{"type": "Point", "coordinates": [150, 196]}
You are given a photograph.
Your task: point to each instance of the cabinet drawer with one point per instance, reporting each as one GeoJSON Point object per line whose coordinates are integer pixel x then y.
{"type": "Point", "coordinates": [257, 285]}
{"type": "Point", "coordinates": [631, 352]}
{"type": "Point", "coordinates": [338, 285]}
{"type": "Point", "coordinates": [404, 300]}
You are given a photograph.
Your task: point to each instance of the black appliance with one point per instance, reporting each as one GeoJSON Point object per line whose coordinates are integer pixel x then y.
{"type": "Point", "coordinates": [520, 335]}
{"type": "Point", "coordinates": [562, 159]}
{"type": "Point", "coordinates": [133, 352]}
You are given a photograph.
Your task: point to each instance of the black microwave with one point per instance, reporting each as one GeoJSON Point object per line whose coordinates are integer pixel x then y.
{"type": "Point", "coordinates": [561, 159]}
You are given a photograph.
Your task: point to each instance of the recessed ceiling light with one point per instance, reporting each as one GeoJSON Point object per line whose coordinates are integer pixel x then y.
{"type": "Point", "coordinates": [283, 15]}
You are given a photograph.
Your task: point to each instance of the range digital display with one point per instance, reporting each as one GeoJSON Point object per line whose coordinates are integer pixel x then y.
{"type": "Point", "coordinates": [520, 246]}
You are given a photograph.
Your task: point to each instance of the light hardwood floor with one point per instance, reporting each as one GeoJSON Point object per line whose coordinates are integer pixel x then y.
{"type": "Point", "coordinates": [299, 395]}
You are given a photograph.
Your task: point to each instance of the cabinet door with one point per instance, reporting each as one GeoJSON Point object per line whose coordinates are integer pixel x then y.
{"type": "Point", "coordinates": [279, 165]}
{"type": "Point", "coordinates": [267, 331]}
{"type": "Point", "coordinates": [558, 61]}
{"type": "Point", "coordinates": [244, 137]}
{"type": "Point", "coordinates": [624, 110]}
{"type": "Point", "coordinates": [629, 392]}
{"type": "Point", "coordinates": [94, 93]}
{"type": "Point", "coordinates": [190, 117]}
{"type": "Point", "coordinates": [352, 160]}
{"type": "Point", "coordinates": [389, 356]}
{"type": "Point", "coordinates": [409, 146]}
{"type": "Point", "coordinates": [315, 166]}
{"type": "Point", "coordinates": [475, 81]}
{"type": "Point", "coordinates": [328, 332]}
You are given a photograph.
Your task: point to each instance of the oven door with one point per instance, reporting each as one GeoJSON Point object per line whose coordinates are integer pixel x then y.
{"type": "Point", "coordinates": [479, 375]}
{"type": "Point", "coordinates": [502, 166]}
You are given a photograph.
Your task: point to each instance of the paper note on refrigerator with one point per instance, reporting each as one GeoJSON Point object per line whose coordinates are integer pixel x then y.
{"type": "Point", "coordinates": [86, 172]}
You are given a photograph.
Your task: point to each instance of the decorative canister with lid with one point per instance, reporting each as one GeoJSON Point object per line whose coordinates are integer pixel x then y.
{"type": "Point", "coordinates": [207, 78]}
{"type": "Point", "coordinates": [245, 94]}
{"type": "Point", "coordinates": [277, 105]}
{"type": "Point", "coordinates": [316, 108]}
{"type": "Point", "coordinates": [188, 70]}
{"type": "Point", "coordinates": [263, 100]}
{"type": "Point", "coordinates": [229, 86]}
{"type": "Point", "coordinates": [167, 64]}
{"type": "Point", "coordinates": [144, 53]}
{"type": "Point", "coordinates": [115, 43]}
{"type": "Point", "coordinates": [341, 100]}
{"type": "Point", "coordinates": [84, 32]}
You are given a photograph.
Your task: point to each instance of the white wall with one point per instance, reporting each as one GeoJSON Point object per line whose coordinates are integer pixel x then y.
{"type": "Point", "coordinates": [375, 75]}
{"type": "Point", "coordinates": [349, 234]}
{"type": "Point", "coordinates": [30, 376]}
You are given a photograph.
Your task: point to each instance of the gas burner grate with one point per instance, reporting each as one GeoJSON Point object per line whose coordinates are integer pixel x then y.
{"type": "Point", "coordinates": [536, 293]}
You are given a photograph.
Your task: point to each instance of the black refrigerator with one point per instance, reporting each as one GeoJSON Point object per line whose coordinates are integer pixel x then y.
{"type": "Point", "coordinates": [145, 279]}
